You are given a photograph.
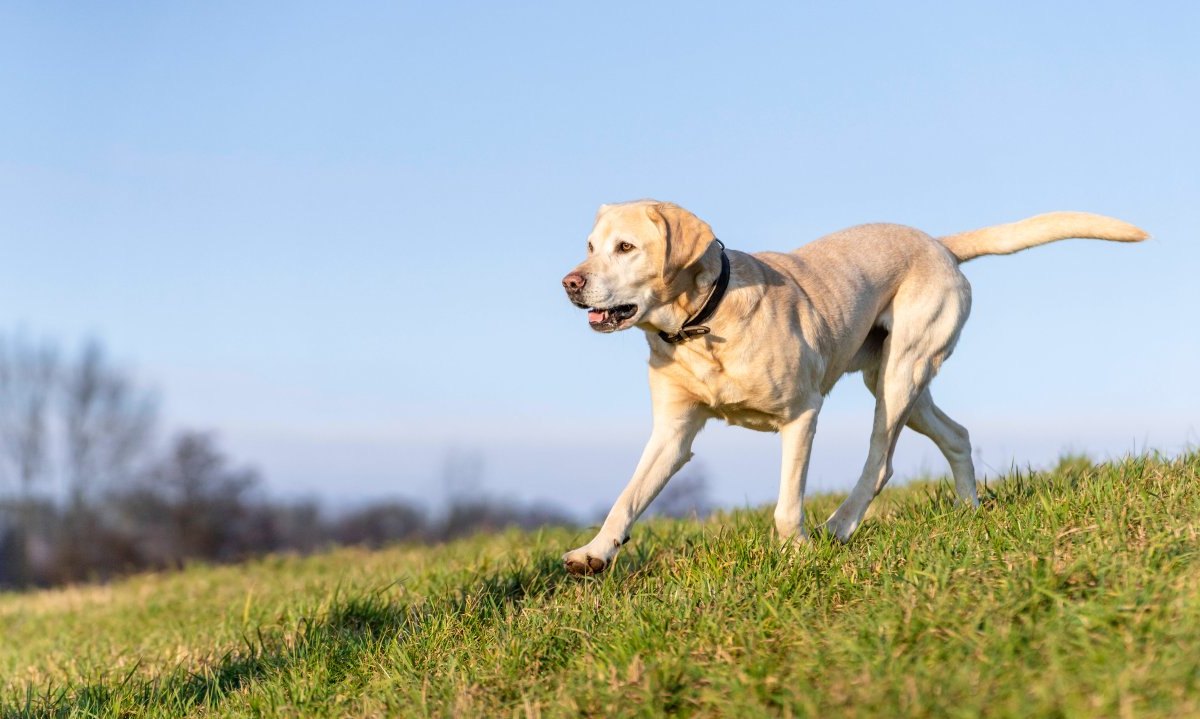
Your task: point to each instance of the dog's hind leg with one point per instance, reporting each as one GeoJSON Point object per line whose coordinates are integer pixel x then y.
{"type": "Point", "coordinates": [902, 382]}
{"type": "Point", "coordinates": [923, 332]}
{"type": "Point", "coordinates": [952, 439]}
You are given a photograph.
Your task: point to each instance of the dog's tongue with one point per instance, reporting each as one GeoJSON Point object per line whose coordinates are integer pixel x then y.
{"type": "Point", "coordinates": [595, 316]}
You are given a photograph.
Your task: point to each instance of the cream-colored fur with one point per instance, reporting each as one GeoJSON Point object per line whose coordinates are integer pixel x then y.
{"type": "Point", "coordinates": [881, 299]}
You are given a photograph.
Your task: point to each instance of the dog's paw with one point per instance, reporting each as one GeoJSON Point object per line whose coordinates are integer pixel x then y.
{"type": "Point", "coordinates": [580, 562]}
{"type": "Point", "coordinates": [792, 540]}
{"type": "Point", "coordinates": [839, 529]}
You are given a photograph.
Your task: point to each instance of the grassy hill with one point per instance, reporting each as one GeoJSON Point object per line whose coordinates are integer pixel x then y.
{"type": "Point", "coordinates": [1070, 593]}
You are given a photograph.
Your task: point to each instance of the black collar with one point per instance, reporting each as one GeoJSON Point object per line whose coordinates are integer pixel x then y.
{"type": "Point", "coordinates": [691, 326]}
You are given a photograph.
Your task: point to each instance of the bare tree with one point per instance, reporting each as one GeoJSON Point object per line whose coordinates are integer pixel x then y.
{"type": "Point", "coordinates": [27, 381]}
{"type": "Point", "coordinates": [202, 498]}
{"type": "Point", "coordinates": [99, 420]}
{"type": "Point", "coordinates": [108, 422]}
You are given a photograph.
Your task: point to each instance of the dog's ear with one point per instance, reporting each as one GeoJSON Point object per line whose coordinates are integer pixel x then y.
{"type": "Point", "coordinates": [685, 237]}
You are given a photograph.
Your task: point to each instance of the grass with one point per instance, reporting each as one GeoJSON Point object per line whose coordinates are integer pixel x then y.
{"type": "Point", "coordinates": [1071, 593]}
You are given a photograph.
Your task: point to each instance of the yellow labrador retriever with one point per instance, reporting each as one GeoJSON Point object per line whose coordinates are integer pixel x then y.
{"type": "Point", "coordinates": [759, 340]}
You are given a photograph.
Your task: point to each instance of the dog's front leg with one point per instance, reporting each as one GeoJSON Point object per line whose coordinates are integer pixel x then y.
{"type": "Point", "coordinates": [669, 448]}
{"type": "Point", "coordinates": [797, 436]}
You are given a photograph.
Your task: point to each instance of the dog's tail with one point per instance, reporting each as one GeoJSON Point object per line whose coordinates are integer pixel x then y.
{"type": "Point", "coordinates": [1038, 230]}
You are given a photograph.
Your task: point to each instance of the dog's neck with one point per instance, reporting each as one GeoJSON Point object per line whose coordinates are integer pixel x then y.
{"type": "Point", "coordinates": [698, 282]}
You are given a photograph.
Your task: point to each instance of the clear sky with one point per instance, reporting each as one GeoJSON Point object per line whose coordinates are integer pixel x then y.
{"type": "Point", "coordinates": [334, 232]}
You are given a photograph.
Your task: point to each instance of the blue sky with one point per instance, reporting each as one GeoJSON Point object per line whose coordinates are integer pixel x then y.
{"type": "Point", "coordinates": [335, 232]}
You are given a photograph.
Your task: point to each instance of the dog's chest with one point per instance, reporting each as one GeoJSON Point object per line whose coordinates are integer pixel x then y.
{"type": "Point", "coordinates": [723, 385]}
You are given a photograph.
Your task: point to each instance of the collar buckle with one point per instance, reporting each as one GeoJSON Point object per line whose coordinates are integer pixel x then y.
{"type": "Point", "coordinates": [684, 334]}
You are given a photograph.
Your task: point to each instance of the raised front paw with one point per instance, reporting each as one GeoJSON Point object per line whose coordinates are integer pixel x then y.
{"type": "Point", "coordinates": [587, 560]}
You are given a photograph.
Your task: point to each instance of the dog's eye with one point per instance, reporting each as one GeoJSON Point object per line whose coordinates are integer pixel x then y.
{"type": "Point", "coordinates": [589, 248]}
{"type": "Point", "coordinates": [625, 247]}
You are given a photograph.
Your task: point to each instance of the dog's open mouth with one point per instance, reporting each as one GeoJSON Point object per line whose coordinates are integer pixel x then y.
{"type": "Point", "coordinates": [611, 319]}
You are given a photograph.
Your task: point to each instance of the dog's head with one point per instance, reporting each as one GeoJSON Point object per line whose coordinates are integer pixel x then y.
{"type": "Point", "coordinates": [636, 256]}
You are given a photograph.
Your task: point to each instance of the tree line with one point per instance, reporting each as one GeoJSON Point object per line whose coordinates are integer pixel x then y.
{"type": "Point", "coordinates": [90, 488]}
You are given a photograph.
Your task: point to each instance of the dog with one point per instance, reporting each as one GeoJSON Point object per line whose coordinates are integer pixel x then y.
{"type": "Point", "coordinates": [759, 340]}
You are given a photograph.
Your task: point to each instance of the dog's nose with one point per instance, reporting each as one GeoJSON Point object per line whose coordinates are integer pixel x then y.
{"type": "Point", "coordinates": [574, 282]}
